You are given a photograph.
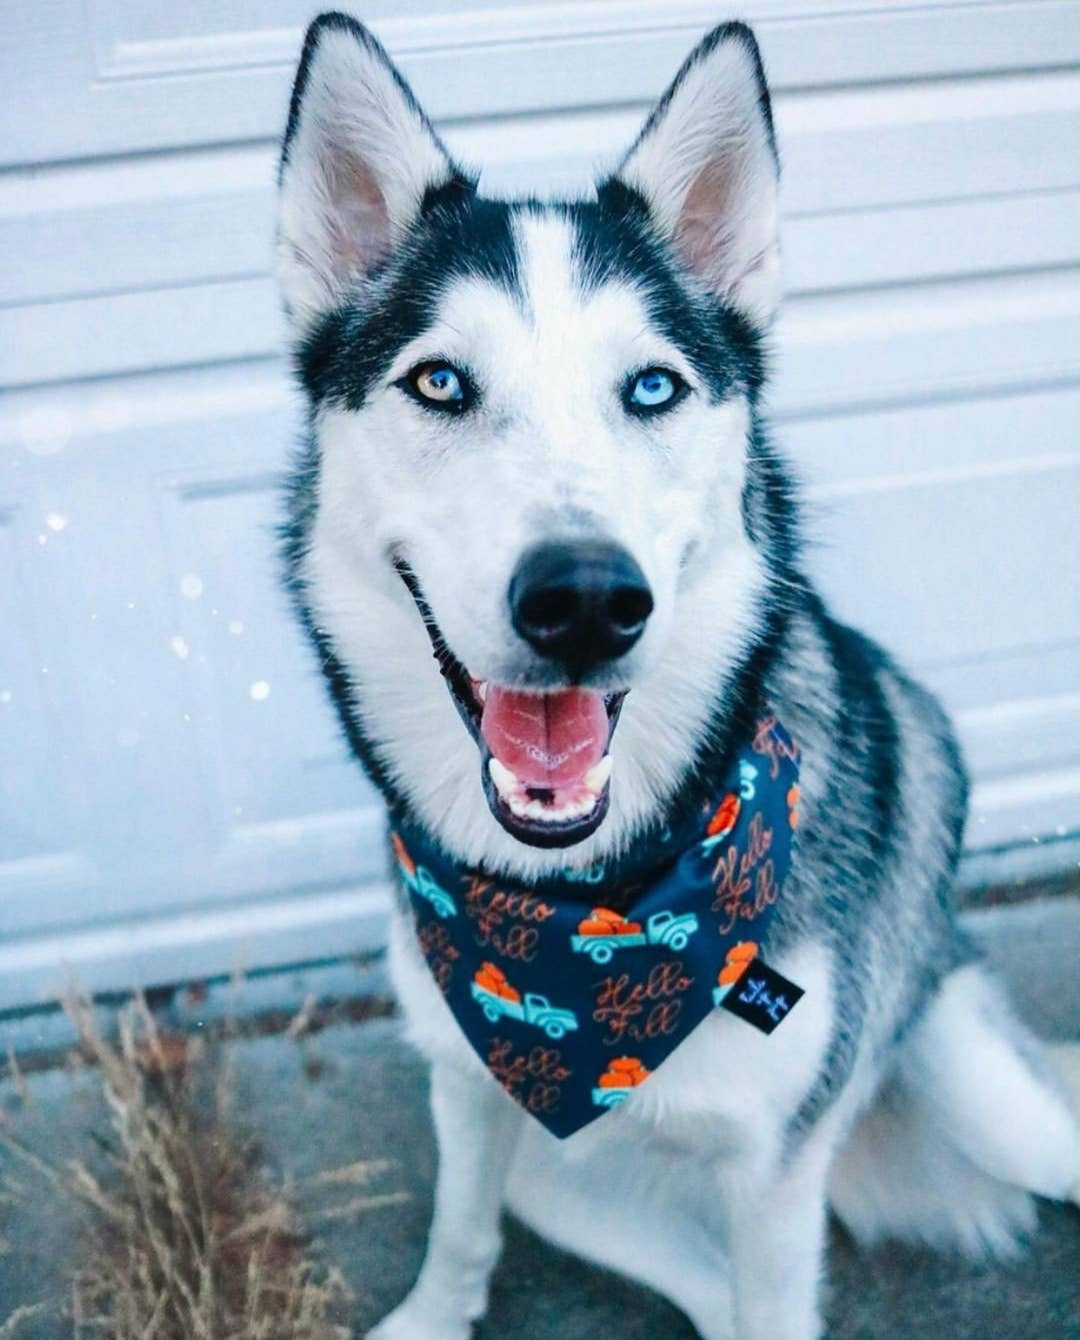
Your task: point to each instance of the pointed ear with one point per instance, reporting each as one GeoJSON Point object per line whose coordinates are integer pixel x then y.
{"type": "Point", "coordinates": [706, 165]}
{"type": "Point", "coordinates": [358, 159]}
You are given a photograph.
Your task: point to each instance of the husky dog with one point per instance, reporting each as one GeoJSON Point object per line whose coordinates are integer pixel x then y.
{"type": "Point", "coordinates": [536, 442]}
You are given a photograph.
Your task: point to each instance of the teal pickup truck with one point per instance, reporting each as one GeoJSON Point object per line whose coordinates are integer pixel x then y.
{"type": "Point", "coordinates": [422, 884]}
{"type": "Point", "coordinates": [662, 928]}
{"type": "Point", "coordinates": [610, 1097]}
{"type": "Point", "coordinates": [534, 1009]}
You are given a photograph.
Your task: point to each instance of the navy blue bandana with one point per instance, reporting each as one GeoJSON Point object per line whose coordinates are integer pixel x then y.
{"type": "Point", "coordinates": [571, 1008]}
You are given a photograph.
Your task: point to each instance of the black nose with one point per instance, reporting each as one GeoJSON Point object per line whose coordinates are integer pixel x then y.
{"type": "Point", "coordinates": [580, 602]}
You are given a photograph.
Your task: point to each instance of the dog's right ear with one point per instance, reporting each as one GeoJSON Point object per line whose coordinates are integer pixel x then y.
{"type": "Point", "coordinates": [358, 159]}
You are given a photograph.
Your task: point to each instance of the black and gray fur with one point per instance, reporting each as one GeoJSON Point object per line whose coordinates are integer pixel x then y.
{"type": "Point", "coordinates": [883, 785]}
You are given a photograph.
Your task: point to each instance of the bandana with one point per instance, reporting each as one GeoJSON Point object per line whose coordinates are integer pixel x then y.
{"type": "Point", "coordinates": [571, 1009]}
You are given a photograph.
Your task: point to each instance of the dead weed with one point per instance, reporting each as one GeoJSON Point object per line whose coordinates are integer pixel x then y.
{"type": "Point", "coordinates": [184, 1237]}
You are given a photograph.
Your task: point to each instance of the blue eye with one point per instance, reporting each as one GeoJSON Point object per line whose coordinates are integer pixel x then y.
{"type": "Point", "coordinates": [653, 389]}
{"type": "Point", "coordinates": [443, 386]}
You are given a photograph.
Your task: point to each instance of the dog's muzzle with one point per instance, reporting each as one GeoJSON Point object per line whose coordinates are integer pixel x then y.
{"type": "Point", "coordinates": [546, 769]}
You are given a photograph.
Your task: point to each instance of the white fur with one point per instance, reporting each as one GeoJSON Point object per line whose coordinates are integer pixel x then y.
{"type": "Point", "coordinates": [708, 1154]}
{"type": "Point", "coordinates": [709, 1209]}
{"type": "Point", "coordinates": [697, 1184]}
{"type": "Point", "coordinates": [477, 1127]}
{"type": "Point", "coordinates": [972, 1075]}
{"type": "Point", "coordinates": [464, 503]}
{"type": "Point", "coordinates": [709, 173]}
{"type": "Point", "coordinates": [960, 1133]}
{"type": "Point", "coordinates": [358, 165]}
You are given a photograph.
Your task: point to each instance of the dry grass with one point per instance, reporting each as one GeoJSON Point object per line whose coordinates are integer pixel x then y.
{"type": "Point", "coordinates": [184, 1238]}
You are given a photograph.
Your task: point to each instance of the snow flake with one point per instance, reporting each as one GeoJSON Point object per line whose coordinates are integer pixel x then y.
{"type": "Point", "coordinates": [46, 430]}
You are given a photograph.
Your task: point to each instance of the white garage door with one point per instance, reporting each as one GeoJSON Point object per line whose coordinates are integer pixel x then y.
{"type": "Point", "coordinates": [174, 798]}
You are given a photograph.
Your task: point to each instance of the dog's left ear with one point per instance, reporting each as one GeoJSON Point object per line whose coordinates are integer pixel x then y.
{"type": "Point", "coordinates": [359, 157]}
{"type": "Point", "coordinates": [706, 165]}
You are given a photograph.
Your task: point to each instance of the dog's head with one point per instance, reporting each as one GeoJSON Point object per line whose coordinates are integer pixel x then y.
{"type": "Point", "coordinates": [532, 444]}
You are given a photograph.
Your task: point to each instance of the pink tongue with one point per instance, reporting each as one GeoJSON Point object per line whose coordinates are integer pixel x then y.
{"type": "Point", "coordinates": [548, 739]}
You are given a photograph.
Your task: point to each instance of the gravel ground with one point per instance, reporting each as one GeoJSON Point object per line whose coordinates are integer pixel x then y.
{"type": "Point", "coordinates": [353, 1091]}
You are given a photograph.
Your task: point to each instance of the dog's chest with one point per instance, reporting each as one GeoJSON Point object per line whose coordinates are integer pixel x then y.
{"type": "Point", "coordinates": [727, 1085]}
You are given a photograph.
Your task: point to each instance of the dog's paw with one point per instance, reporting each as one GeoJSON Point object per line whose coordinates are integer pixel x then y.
{"type": "Point", "coordinates": [409, 1322]}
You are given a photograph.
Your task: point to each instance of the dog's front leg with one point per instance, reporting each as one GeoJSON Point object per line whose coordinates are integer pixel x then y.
{"type": "Point", "coordinates": [777, 1244]}
{"type": "Point", "coordinates": [476, 1127]}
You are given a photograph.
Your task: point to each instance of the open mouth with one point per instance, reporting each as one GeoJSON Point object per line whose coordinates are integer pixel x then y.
{"type": "Point", "coordinates": [544, 757]}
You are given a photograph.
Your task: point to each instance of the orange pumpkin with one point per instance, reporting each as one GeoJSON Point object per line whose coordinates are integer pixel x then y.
{"type": "Point", "coordinates": [623, 1064]}
{"type": "Point", "coordinates": [726, 815]}
{"type": "Point", "coordinates": [593, 927]}
{"type": "Point", "coordinates": [606, 914]}
{"type": "Point", "coordinates": [404, 859]}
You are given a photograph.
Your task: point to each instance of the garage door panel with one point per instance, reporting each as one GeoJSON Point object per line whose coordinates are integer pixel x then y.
{"type": "Point", "coordinates": [195, 789]}
{"type": "Point", "coordinates": [866, 452]}
{"type": "Point", "coordinates": [960, 519]}
{"type": "Point", "coordinates": [150, 76]}
{"type": "Point", "coordinates": [48, 853]}
{"type": "Point", "coordinates": [256, 697]}
{"type": "Point", "coordinates": [215, 940]}
{"type": "Point", "coordinates": [143, 234]}
{"type": "Point", "coordinates": [129, 332]}
{"type": "Point", "coordinates": [957, 518]}
{"type": "Point", "coordinates": [183, 802]}
{"type": "Point", "coordinates": [208, 216]}
{"type": "Point", "coordinates": [36, 809]}
{"type": "Point", "coordinates": [915, 341]}
{"type": "Point", "coordinates": [926, 341]}
{"type": "Point", "coordinates": [1002, 542]}
{"type": "Point", "coordinates": [1031, 721]}
{"type": "Point", "coordinates": [925, 242]}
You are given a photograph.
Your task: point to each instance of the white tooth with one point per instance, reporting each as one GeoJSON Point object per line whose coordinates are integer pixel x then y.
{"type": "Point", "coordinates": [505, 781]}
{"type": "Point", "coordinates": [596, 778]}
{"type": "Point", "coordinates": [481, 689]}
{"type": "Point", "coordinates": [523, 808]}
